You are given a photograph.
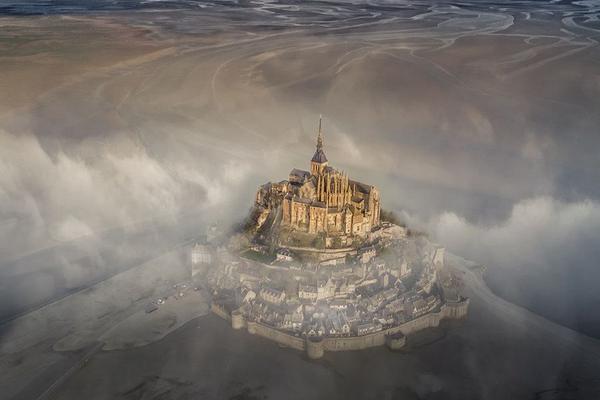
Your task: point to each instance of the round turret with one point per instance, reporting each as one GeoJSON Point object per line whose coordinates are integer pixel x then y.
{"type": "Point", "coordinates": [237, 320]}
{"type": "Point", "coordinates": [395, 341]}
{"type": "Point", "coordinates": [314, 347]}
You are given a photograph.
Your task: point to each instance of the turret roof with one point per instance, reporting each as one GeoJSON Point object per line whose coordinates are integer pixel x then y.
{"type": "Point", "coordinates": [319, 157]}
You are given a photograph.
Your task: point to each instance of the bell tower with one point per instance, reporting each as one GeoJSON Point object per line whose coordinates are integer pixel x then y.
{"type": "Point", "coordinates": [319, 161]}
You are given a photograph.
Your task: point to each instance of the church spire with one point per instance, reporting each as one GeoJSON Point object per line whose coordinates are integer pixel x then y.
{"type": "Point", "coordinates": [320, 135]}
{"type": "Point", "coordinates": [319, 161]}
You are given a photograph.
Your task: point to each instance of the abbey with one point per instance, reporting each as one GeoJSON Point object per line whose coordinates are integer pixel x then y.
{"type": "Point", "coordinates": [322, 201]}
{"type": "Point", "coordinates": [321, 271]}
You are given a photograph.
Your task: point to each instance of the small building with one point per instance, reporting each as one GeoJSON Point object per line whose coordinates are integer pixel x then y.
{"type": "Point", "coordinates": [326, 290]}
{"type": "Point", "coordinates": [293, 321]}
{"type": "Point", "coordinates": [386, 279]}
{"type": "Point", "coordinates": [379, 263]}
{"type": "Point", "coordinates": [249, 296]}
{"type": "Point", "coordinates": [395, 306]}
{"type": "Point", "coordinates": [345, 326]}
{"type": "Point", "coordinates": [345, 289]}
{"type": "Point", "coordinates": [334, 261]}
{"type": "Point", "coordinates": [370, 327]}
{"type": "Point", "coordinates": [201, 254]}
{"type": "Point", "coordinates": [366, 254]}
{"type": "Point", "coordinates": [438, 257]}
{"type": "Point", "coordinates": [284, 254]}
{"type": "Point", "coordinates": [419, 307]}
{"type": "Point", "coordinates": [249, 276]}
{"type": "Point", "coordinates": [405, 270]}
{"type": "Point", "coordinates": [338, 304]}
{"type": "Point", "coordinates": [201, 258]}
{"type": "Point", "coordinates": [389, 294]}
{"type": "Point", "coordinates": [307, 292]}
{"type": "Point", "coordinates": [273, 296]}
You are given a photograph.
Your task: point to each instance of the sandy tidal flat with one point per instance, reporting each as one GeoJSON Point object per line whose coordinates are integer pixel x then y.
{"type": "Point", "coordinates": [501, 351]}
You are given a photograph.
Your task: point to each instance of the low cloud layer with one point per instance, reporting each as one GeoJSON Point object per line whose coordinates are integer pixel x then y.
{"type": "Point", "coordinates": [545, 255]}
{"type": "Point", "coordinates": [69, 197]}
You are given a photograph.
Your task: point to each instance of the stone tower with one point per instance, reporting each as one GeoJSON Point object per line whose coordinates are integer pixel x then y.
{"type": "Point", "coordinates": [319, 161]}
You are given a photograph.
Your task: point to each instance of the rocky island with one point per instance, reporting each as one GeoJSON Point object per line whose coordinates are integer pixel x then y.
{"type": "Point", "coordinates": [319, 267]}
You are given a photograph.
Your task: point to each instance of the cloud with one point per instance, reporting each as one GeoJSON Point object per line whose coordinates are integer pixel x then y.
{"type": "Point", "coordinates": [544, 255]}
{"type": "Point", "coordinates": [64, 195]}
{"type": "Point", "coordinates": [72, 228]}
{"type": "Point", "coordinates": [535, 226]}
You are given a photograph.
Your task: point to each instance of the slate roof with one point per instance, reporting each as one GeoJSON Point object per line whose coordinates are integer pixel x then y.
{"type": "Point", "coordinates": [299, 173]}
{"type": "Point", "coordinates": [319, 156]}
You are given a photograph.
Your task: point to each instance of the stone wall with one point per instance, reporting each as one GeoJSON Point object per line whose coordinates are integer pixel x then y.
{"type": "Point", "coordinates": [355, 342]}
{"type": "Point", "coordinates": [220, 311]}
{"type": "Point", "coordinates": [393, 337]}
{"type": "Point", "coordinates": [323, 254]}
{"type": "Point", "coordinates": [276, 335]}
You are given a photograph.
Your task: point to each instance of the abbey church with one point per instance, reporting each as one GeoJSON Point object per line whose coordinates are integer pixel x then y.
{"type": "Point", "coordinates": [322, 201]}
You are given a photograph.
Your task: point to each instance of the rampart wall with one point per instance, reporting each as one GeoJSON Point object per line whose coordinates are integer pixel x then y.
{"type": "Point", "coordinates": [324, 254]}
{"type": "Point", "coordinates": [316, 348]}
{"type": "Point", "coordinates": [220, 311]}
{"type": "Point", "coordinates": [276, 335]}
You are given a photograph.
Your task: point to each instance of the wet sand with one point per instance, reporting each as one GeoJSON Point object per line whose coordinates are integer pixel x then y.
{"type": "Point", "coordinates": [500, 352]}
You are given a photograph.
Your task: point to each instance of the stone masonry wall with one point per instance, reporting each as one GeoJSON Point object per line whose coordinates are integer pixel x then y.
{"type": "Point", "coordinates": [450, 311]}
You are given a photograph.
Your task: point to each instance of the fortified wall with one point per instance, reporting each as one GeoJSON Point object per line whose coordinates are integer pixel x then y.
{"type": "Point", "coordinates": [315, 347]}
{"type": "Point", "coordinates": [220, 311]}
{"type": "Point", "coordinates": [324, 254]}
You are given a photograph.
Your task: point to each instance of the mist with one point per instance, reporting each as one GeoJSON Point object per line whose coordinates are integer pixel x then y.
{"type": "Point", "coordinates": [139, 129]}
{"type": "Point", "coordinates": [126, 128]}
{"type": "Point", "coordinates": [544, 256]}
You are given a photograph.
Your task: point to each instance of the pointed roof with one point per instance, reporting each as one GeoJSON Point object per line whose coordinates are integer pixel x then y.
{"type": "Point", "coordinates": [319, 156]}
